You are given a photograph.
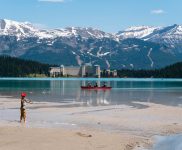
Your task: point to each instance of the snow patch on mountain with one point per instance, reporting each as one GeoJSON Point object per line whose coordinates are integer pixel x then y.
{"type": "Point", "coordinates": [108, 64]}
{"type": "Point", "coordinates": [149, 56]}
{"type": "Point", "coordinates": [79, 61]}
{"type": "Point", "coordinates": [88, 33]}
{"type": "Point", "coordinates": [132, 66]}
{"type": "Point", "coordinates": [136, 32]}
{"type": "Point", "coordinates": [131, 47]}
{"type": "Point", "coordinates": [101, 54]}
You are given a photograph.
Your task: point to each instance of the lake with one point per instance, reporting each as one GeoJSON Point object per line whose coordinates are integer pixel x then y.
{"type": "Point", "coordinates": [67, 90]}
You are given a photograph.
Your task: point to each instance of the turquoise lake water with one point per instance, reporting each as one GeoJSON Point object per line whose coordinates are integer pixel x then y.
{"type": "Point", "coordinates": [67, 90]}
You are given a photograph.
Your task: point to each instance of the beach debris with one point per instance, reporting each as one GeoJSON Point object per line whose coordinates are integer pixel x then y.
{"type": "Point", "coordinates": [129, 146]}
{"type": "Point", "coordinates": [83, 134]}
{"type": "Point", "coordinates": [43, 92]}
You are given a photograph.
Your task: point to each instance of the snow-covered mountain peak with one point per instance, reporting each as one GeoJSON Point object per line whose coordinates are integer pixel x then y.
{"type": "Point", "coordinates": [170, 34]}
{"type": "Point", "coordinates": [175, 29]}
{"type": "Point", "coordinates": [88, 32]}
{"type": "Point", "coordinates": [26, 29]}
{"type": "Point", "coordinates": [138, 28]}
{"type": "Point", "coordinates": [10, 25]}
{"type": "Point", "coordinates": [136, 32]}
{"type": "Point", "coordinates": [173, 32]}
{"type": "Point", "coordinates": [19, 29]}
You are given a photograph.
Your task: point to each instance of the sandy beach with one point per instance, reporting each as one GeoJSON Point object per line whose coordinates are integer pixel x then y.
{"type": "Point", "coordinates": [61, 126]}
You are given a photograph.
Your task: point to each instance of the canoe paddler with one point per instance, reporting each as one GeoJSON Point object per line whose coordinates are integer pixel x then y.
{"type": "Point", "coordinates": [104, 84]}
{"type": "Point", "coordinates": [23, 107]}
{"type": "Point", "coordinates": [89, 84]}
{"type": "Point", "coordinates": [96, 85]}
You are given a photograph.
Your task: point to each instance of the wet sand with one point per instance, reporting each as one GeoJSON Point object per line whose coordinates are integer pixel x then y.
{"type": "Point", "coordinates": [55, 126]}
{"type": "Point", "coordinates": [16, 138]}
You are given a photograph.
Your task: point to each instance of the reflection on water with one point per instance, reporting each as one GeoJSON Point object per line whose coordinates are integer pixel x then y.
{"type": "Point", "coordinates": [67, 91]}
{"type": "Point", "coordinates": [123, 92]}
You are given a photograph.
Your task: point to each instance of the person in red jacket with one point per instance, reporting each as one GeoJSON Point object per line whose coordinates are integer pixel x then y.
{"type": "Point", "coordinates": [23, 107]}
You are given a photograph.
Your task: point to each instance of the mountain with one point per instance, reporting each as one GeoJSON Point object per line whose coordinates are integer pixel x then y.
{"type": "Point", "coordinates": [171, 36]}
{"type": "Point", "coordinates": [136, 32]}
{"type": "Point", "coordinates": [26, 29]}
{"type": "Point", "coordinates": [141, 47]}
{"type": "Point", "coordinates": [18, 29]}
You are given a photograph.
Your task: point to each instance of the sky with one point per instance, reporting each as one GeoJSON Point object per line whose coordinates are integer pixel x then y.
{"type": "Point", "coordinates": [107, 15]}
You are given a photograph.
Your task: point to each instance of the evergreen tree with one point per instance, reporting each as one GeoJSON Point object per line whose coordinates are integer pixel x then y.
{"type": "Point", "coordinates": [15, 67]}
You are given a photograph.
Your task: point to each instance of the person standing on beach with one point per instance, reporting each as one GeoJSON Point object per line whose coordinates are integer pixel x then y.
{"type": "Point", "coordinates": [23, 107]}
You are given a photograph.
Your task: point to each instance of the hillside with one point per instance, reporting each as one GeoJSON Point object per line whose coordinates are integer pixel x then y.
{"type": "Point", "coordinates": [142, 47]}
{"type": "Point", "coordinates": [15, 67]}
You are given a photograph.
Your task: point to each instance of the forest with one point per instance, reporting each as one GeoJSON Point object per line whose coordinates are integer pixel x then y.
{"type": "Point", "coordinates": [172, 71]}
{"type": "Point", "coordinates": [15, 67]}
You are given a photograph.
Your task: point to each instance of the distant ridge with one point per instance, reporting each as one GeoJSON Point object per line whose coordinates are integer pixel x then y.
{"type": "Point", "coordinates": [140, 47]}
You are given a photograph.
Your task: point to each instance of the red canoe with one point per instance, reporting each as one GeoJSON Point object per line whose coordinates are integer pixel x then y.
{"type": "Point", "coordinates": [95, 88]}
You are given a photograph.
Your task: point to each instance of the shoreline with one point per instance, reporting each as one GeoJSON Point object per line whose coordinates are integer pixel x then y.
{"type": "Point", "coordinates": [92, 79]}
{"type": "Point", "coordinates": [116, 127]}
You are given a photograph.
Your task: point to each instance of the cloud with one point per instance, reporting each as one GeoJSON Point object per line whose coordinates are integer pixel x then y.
{"type": "Point", "coordinates": [158, 11]}
{"type": "Point", "coordinates": [52, 1]}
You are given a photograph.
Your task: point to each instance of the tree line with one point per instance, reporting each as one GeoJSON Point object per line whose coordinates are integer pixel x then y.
{"type": "Point", "coordinates": [172, 71]}
{"type": "Point", "coordinates": [15, 67]}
